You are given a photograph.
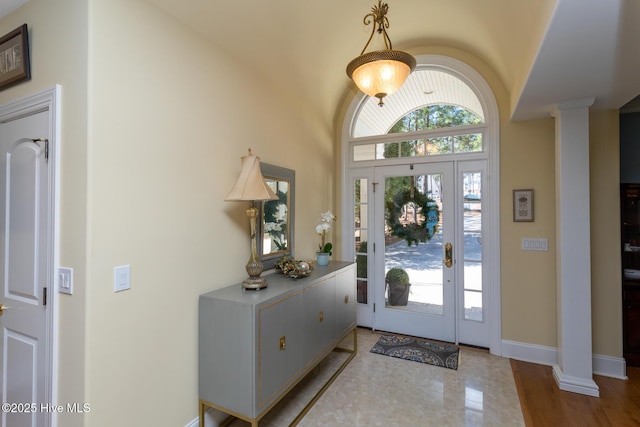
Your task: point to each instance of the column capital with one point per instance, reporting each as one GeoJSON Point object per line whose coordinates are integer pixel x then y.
{"type": "Point", "coordinates": [571, 105]}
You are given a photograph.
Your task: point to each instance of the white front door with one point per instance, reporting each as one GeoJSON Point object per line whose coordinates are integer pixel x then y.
{"type": "Point", "coordinates": [25, 265]}
{"type": "Point", "coordinates": [414, 232]}
{"type": "Point", "coordinates": [442, 204]}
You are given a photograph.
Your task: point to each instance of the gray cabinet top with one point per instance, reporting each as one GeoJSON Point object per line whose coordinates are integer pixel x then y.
{"type": "Point", "coordinates": [279, 285]}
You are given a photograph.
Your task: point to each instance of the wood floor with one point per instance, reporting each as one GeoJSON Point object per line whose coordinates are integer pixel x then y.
{"type": "Point", "coordinates": [544, 404]}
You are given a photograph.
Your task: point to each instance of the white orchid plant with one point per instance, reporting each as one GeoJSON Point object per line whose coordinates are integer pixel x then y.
{"type": "Point", "coordinates": [323, 227]}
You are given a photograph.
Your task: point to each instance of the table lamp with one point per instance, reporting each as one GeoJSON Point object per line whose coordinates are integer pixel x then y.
{"type": "Point", "coordinates": [251, 187]}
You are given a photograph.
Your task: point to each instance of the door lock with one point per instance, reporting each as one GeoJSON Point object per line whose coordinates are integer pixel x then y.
{"type": "Point", "coordinates": [448, 255]}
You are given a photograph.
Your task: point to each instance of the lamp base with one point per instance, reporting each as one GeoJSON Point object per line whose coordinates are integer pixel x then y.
{"type": "Point", "coordinates": [254, 283]}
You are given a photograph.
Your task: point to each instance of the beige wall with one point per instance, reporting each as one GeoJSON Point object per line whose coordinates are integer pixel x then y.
{"type": "Point", "coordinates": [154, 123]}
{"type": "Point", "coordinates": [170, 117]}
{"type": "Point", "coordinates": [58, 42]}
{"type": "Point", "coordinates": [528, 278]}
{"type": "Point", "coordinates": [606, 275]}
{"type": "Point", "coordinates": [146, 164]}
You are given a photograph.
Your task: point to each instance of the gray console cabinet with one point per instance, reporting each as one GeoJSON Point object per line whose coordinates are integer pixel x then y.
{"type": "Point", "coordinates": [254, 346]}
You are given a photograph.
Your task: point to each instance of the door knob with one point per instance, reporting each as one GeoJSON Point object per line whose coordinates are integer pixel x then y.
{"type": "Point", "coordinates": [3, 308]}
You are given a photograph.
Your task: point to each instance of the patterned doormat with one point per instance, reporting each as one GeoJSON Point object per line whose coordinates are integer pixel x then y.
{"type": "Point", "coordinates": [418, 350]}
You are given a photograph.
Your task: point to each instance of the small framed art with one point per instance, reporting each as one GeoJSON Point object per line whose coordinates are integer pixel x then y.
{"type": "Point", "coordinates": [523, 205]}
{"type": "Point", "coordinates": [14, 57]}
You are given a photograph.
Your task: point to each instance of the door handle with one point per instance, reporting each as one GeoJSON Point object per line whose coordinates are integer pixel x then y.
{"type": "Point", "coordinates": [448, 255]}
{"type": "Point", "coordinates": [3, 308]}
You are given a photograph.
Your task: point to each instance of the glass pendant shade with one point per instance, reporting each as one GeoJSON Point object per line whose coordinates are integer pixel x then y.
{"type": "Point", "coordinates": [383, 74]}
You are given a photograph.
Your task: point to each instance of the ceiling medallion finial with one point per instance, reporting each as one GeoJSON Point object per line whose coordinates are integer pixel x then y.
{"type": "Point", "coordinates": [382, 72]}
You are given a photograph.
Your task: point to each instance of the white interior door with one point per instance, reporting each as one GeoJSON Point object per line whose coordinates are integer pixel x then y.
{"type": "Point", "coordinates": [414, 231]}
{"type": "Point", "coordinates": [24, 265]}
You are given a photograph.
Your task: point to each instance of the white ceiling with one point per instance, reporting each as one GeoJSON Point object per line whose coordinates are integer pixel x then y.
{"type": "Point", "coordinates": [544, 51]}
{"type": "Point", "coordinates": [589, 51]}
{"type": "Point", "coordinates": [8, 6]}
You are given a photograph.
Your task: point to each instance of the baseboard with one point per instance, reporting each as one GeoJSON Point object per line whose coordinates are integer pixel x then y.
{"type": "Point", "coordinates": [530, 352]}
{"type": "Point", "coordinates": [212, 418]}
{"type": "Point", "coordinates": [607, 366]}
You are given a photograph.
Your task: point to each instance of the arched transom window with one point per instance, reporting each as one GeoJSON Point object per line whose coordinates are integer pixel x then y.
{"type": "Point", "coordinates": [435, 113]}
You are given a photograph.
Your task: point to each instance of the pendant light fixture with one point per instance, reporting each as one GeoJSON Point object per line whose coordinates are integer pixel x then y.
{"type": "Point", "coordinates": [380, 73]}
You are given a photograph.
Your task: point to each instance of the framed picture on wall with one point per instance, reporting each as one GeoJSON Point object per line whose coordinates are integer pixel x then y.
{"type": "Point", "coordinates": [523, 205]}
{"type": "Point", "coordinates": [14, 57]}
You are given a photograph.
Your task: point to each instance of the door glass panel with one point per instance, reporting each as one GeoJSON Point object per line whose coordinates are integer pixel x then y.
{"type": "Point", "coordinates": [472, 182]}
{"type": "Point", "coordinates": [361, 201]}
{"type": "Point", "coordinates": [413, 243]}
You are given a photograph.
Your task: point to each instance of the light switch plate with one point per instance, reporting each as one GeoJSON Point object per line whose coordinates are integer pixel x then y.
{"type": "Point", "coordinates": [65, 280]}
{"type": "Point", "coordinates": [529, 244]}
{"type": "Point", "coordinates": [121, 278]}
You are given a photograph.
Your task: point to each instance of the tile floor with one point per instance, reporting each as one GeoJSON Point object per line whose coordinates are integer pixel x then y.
{"type": "Point", "coordinates": [377, 390]}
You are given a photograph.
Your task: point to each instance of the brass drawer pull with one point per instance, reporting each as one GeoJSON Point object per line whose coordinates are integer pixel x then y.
{"type": "Point", "coordinates": [346, 299]}
{"type": "Point", "coordinates": [283, 343]}
{"type": "Point", "coordinates": [321, 316]}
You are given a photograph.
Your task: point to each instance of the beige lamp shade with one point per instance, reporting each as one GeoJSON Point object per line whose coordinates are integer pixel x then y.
{"type": "Point", "coordinates": [250, 184]}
